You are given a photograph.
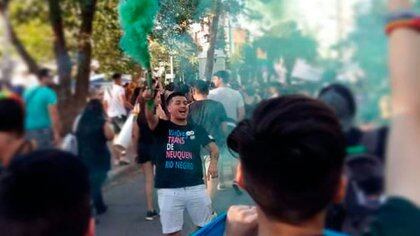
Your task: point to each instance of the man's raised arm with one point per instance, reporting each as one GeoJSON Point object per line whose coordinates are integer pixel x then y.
{"type": "Point", "coordinates": [404, 145]}
{"type": "Point", "coordinates": [151, 117]}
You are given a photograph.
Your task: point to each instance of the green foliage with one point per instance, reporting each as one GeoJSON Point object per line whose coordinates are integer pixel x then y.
{"type": "Point", "coordinates": [30, 22]}
{"type": "Point", "coordinates": [371, 53]}
{"type": "Point", "coordinates": [106, 36]}
{"type": "Point", "coordinates": [283, 41]}
{"type": "Point", "coordinates": [266, 12]}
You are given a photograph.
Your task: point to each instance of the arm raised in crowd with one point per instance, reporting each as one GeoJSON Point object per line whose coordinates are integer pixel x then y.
{"type": "Point", "coordinates": [151, 117]}
{"type": "Point", "coordinates": [403, 151]}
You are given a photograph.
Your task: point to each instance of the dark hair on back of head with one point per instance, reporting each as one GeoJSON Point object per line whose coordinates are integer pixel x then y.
{"type": "Point", "coordinates": [224, 75]}
{"type": "Point", "coordinates": [182, 88]}
{"type": "Point", "coordinates": [292, 153]}
{"type": "Point", "coordinates": [345, 93]}
{"type": "Point", "coordinates": [45, 193]}
{"type": "Point", "coordinates": [44, 72]}
{"type": "Point", "coordinates": [116, 76]}
{"type": "Point", "coordinates": [173, 95]}
{"type": "Point", "coordinates": [12, 116]}
{"type": "Point", "coordinates": [201, 86]}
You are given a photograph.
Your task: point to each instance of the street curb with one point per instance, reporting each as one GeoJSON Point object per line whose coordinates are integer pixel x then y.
{"type": "Point", "coordinates": [119, 172]}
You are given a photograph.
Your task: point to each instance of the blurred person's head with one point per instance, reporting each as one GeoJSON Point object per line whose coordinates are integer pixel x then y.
{"type": "Point", "coordinates": [45, 193]}
{"type": "Point", "coordinates": [45, 77]}
{"type": "Point", "coordinates": [96, 93]}
{"type": "Point", "coordinates": [177, 106]}
{"type": "Point", "coordinates": [12, 126]}
{"type": "Point", "coordinates": [170, 87]}
{"type": "Point", "coordinates": [182, 88]}
{"type": "Point", "coordinates": [250, 90]}
{"type": "Point", "coordinates": [221, 78]}
{"type": "Point", "coordinates": [291, 159]}
{"type": "Point", "coordinates": [117, 78]}
{"type": "Point", "coordinates": [94, 109]}
{"type": "Point", "coordinates": [200, 90]}
{"type": "Point", "coordinates": [274, 89]}
{"type": "Point", "coordinates": [341, 100]}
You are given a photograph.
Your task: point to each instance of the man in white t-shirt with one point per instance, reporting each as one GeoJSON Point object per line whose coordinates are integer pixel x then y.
{"type": "Point", "coordinates": [234, 105]}
{"type": "Point", "coordinates": [116, 106]}
{"type": "Point", "coordinates": [232, 100]}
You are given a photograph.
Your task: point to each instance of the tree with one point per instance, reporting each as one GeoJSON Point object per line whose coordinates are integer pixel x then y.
{"type": "Point", "coordinates": [63, 60]}
{"type": "Point", "coordinates": [213, 36]}
{"type": "Point", "coordinates": [282, 41]}
{"type": "Point", "coordinates": [217, 10]}
{"type": "Point", "coordinates": [370, 52]}
{"type": "Point", "coordinates": [106, 37]}
{"type": "Point", "coordinates": [171, 31]}
{"type": "Point", "coordinates": [14, 39]}
{"type": "Point", "coordinates": [75, 21]}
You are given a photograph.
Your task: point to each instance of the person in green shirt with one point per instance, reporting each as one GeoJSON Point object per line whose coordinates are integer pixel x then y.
{"type": "Point", "coordinates": [42, 120]}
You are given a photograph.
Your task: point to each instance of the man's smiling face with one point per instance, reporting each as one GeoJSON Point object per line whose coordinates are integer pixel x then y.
{"type": "Point", "coordinates": [178, 108]}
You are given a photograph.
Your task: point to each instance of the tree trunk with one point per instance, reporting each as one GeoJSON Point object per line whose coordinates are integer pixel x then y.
{"type": "Point", "coordinates": [213, 38]}
{"type": "Point", "coordinates": [64, 63]}
{"type": "Point", "coordinates": [14, 39]}
{"type": "Point", "coordinates": [68, 109]}
{"type": "Point", "coordinates": [84, 56]}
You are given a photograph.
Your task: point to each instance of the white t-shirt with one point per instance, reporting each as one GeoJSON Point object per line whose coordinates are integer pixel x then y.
{"type": "Point", "coordinates": [115, 103]}
{"type": "Point", "coordinates": [231, 99]}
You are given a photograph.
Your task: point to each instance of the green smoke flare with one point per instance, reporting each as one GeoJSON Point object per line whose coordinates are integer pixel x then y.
{"type": "Point", "coordinates": [137, 18]}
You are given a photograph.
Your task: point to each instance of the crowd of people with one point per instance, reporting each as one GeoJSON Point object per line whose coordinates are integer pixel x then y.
{"type": "Point", "coordinates": [308, 167]}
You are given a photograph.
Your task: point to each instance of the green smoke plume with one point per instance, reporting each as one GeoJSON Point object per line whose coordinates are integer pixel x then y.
{"type": "Point", "coordinates": [137, 19]}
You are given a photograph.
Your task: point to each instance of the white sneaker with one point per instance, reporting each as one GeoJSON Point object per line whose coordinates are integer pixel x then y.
{"type": "Point", "coordinates": [221, 187]}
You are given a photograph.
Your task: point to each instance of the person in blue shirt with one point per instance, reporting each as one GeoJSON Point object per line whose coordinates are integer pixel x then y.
{"type": "Point", "coordinates": [42, 121]}
{"type": "Point", "coordinates": [291, 156]}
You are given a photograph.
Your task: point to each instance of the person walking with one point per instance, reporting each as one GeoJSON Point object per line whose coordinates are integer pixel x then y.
{"type": "Point", "coordinates": [92, 133]}
{"type": "Point", "coordinates": [211, 115]}
{"type": "Point", "coordinates": [116, 105]}
{"type": "Point", "coordinates": [144, 143]}
{"type": "Point", "coordinates": [42, 121]}
{"type": "Point", "coordinates": [231, 99]}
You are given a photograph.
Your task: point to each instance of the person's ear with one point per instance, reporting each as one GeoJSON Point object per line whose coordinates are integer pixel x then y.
{"type": "Point", "coordinates": [169, 107]}
{"type": "Point", "coordinates": [240, 180]}
{"type": "Point", "coordinates": [341, 190]}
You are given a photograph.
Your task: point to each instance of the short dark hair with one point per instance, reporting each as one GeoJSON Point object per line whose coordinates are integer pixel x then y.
{"type": "Point", "coordinates": [45, 193]}
{"type": "Point", "coordinates": [224, 75]}
{"type": "Point", "coordinates": [182, 88]}
{"type": "Point", "coordinates": [344, 92]}
{"type": "Point", "coordinates": [292, 153]}
{"type": "Point", "coordinates": [201, 86]}
{"type": "Point", "coordinates": [173, 95]}
{"type": "Point", "coordinates": [44, 72]}
{"type": "Point", "coordinates": [12, 114]}
{"type": "Point", "coordinates": [116, 76]}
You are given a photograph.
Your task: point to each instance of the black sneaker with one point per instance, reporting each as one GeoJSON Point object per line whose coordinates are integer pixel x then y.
{"type": "Point", "coordinates": [151, 215]}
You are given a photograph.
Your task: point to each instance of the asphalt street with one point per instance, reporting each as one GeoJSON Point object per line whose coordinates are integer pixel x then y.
{"type": "Point", "coordinates": [127, 207]}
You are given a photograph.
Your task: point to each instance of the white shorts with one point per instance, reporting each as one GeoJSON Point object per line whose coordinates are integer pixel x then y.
{"type": "Point", "coordinates": [173, 202]}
